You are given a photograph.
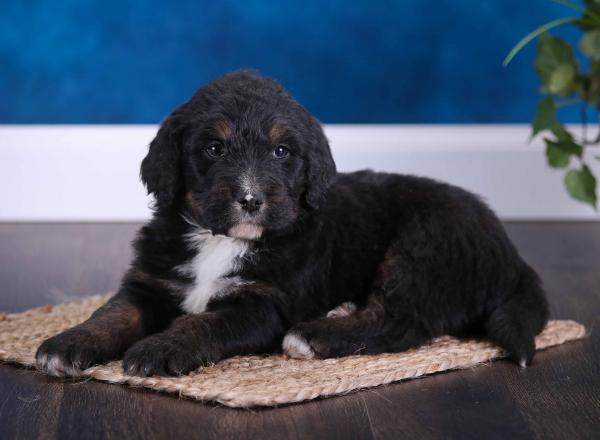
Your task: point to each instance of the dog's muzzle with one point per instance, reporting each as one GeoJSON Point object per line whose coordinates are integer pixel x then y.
{"type": "Point", "coordinates": [249, 209]}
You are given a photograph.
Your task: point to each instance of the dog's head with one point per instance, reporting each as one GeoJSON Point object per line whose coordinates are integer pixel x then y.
{"type": "Point", "coordinates": [241, 156]}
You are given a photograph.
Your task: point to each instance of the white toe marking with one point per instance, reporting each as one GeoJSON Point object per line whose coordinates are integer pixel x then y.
{"type": "Point", "coordinates": [523, 363]}
{"type": "Point", "coordinates": [41, 360]}
{"type": "Point", "coordinates": [295, 346]}
{"type": "Point", "coordinates": [344, 309]}
{"type": "Point", "coordinates": [55, 366]}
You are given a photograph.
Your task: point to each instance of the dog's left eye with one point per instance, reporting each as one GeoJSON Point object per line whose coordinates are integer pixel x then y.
{"type": "Point", "coordinates": [281, 151]}
{"type": "Point", "coordinates": [215, 150]}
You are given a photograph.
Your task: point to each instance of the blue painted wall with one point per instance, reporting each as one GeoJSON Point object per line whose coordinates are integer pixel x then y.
{"type": "Point", "coordinates": [410, 61]}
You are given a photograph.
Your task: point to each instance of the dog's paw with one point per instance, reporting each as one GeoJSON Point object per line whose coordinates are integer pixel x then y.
{"type": "Point", "coordinates": [308, 340]}
{"type": "Point", "coordinates": [320, 339]}
{"type": "Point", "coordinates": [68, 353]}
{"type": "Point", "coordinates": [295, 346]}
{"type": "Point", "coordinates": [343, 310]}
{"type": "Point", "coordinates": [160, 355]}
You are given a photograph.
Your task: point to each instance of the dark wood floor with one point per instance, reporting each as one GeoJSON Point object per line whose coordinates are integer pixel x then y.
{"type": "Point", "coordinates": [558, 397]}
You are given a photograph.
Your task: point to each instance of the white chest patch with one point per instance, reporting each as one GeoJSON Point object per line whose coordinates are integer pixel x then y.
{"type": "Point", "coordinates": [218, 256]}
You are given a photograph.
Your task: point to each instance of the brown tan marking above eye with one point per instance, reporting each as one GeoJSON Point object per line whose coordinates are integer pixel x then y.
{"type": "Point", "coordinates": [222, 130]}
{"type": "Point", "coordinates": [277, 133]}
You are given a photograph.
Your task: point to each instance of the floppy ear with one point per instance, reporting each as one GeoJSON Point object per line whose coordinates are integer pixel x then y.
{"type": "Point", "coordinates": [321, 170]}
{"type": "Point", "coordinates": [160, 170]}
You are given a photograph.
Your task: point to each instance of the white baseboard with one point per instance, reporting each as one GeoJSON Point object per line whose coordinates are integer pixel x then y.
{"type": "Point", "coordinates": [91, 172]}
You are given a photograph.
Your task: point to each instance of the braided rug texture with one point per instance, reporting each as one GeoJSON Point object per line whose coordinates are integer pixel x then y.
{"type": "Point", "coordinates": [264, 381]}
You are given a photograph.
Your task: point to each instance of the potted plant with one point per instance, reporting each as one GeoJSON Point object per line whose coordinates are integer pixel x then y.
{"type": "Point", "coordinates": [565, 82]}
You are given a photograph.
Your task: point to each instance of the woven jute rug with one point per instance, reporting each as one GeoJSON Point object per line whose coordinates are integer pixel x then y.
{"type": "Point", "coordinates": [264, 381]}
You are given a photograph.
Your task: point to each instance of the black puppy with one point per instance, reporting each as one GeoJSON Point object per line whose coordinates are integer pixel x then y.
{"type": "Point", "coordinates": [256, 243]}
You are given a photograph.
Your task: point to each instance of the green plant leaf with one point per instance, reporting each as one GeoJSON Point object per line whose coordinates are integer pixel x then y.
{"type": "Point", "coordinates": [552, 53]}
{"type": "Point", "coordinates": [561, 133]}
{"type": "Point", "coordinates": [588, 12]}
{"type": "Point", "coordinates": [593, 6]}
{"type": "Point", "coordinates": [595, 68]}
{"type": "Point", "coordinates": [536, 33]}
{"type": "Point", "coordinates": [559, 153]}
{"type": "Point", "coordinates": [561, 80]}
{"type": "Point", "coordinates": [545, 119]}
{"type": "Point", "coordinates": [581, 185]}
{"type": "Point", "coordinates": [557, 158]}
{"type": "Point", "coordinates": [590, 44]}
{"type": "Point", "coordinates": [586, 24]}
{"type": "Point", "coordinates": [545, 116]}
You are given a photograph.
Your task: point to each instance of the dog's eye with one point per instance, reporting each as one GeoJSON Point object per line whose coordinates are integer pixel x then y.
{"type": "Point", "coordinates": [281, 151]}
{"type": "Point", "coordinates": [215, 150]}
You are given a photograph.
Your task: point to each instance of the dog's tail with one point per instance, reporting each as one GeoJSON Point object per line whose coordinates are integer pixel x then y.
{"type": "Point", "coordinates": [514, 324]}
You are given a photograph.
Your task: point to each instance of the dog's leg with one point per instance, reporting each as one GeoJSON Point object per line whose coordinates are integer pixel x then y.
{"type": "Point", "coordinates": [141, 307]}
{"type": "Point", "coordinates": [248, 320]}
{"type": "Point", "coordinates": [364, 331]}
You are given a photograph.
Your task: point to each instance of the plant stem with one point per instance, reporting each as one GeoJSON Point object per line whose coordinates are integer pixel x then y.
{"type": "Point", "coordinates": [598, 135]}
{"type": "Point", "coordinates": [537, 32]}
{"type": "Point", "coordinates": [584, 122]}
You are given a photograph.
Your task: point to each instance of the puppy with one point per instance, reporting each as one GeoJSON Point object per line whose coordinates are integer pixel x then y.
{"type": "Point", "coordinates": [257, 244]}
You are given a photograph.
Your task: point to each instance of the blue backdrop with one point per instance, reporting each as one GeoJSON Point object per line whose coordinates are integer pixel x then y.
{"type": "Point", "coordinates": [410, 61]}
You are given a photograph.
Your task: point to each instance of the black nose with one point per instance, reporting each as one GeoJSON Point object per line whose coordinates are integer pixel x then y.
{"type": "Point", "coordinates": [251, 204]}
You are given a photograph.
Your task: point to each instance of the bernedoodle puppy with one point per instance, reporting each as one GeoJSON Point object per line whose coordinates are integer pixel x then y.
{"type": "Point", "coordinates": [257, 244]}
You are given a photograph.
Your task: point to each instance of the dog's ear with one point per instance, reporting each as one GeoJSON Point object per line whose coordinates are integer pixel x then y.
{"type": "Point", "coordinates": [161, 170]}
{"type": "Point", "coordinates": [321, 169]}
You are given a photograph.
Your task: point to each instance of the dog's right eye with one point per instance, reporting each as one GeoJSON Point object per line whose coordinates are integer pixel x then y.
{"type": "Point", "coordinates": [215, 150]}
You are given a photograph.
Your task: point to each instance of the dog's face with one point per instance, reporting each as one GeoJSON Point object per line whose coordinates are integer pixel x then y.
{"type": "Point", "coordinates": [240, 158]}
{"type": "Point", "coordinates": [245, 175]}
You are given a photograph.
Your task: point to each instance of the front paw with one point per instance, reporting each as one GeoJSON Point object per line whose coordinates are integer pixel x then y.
{"type": "Point", "coordinates": [160, 355]}
{"type": "Point", "coordinates": [68, 353]}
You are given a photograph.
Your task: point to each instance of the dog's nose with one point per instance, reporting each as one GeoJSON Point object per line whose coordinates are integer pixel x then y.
{"type": "Point", "coordinates": [251, 203]}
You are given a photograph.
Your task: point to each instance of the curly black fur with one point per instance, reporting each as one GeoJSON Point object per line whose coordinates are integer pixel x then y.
{"type": "Point", "coordinates": [418, 257]}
